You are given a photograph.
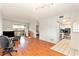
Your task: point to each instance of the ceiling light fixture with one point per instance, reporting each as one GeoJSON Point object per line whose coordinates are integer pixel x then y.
{"type": "Point", "coordinates": [44, 5]}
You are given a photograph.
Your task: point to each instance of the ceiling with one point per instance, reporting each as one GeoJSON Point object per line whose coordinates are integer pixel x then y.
{"type": "Point", "coordinates": [30, 12]}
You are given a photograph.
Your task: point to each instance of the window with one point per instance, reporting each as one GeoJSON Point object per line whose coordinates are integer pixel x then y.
{"type": "Point", "coordinates": [76, 27]}
{"type": "Point", "coordinates": [18, 27]}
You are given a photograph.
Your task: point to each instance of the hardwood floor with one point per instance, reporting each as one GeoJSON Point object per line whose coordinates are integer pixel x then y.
{"type": "Point", "coordinates": [35, 47]}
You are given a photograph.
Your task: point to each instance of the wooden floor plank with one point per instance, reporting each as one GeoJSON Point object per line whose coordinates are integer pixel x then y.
{"type": "Point", "coordinates": [36, 47]}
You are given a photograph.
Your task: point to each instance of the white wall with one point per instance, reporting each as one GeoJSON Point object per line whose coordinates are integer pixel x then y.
{"type": "Point", "coordinates": [48, 29]}
{"type": "Point", "coordinates": [75, 38]}
{"type": "Point", "coordinates": [33, 27]}
{"type": "Point", "coordinates": [75, 41]}
{"type": "Point", "coordinates": [1, 25]}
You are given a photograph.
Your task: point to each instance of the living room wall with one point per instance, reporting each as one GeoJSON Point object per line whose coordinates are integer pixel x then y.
{"type": "Point", "coordinates": [1, 25]}
{"type": "Point", "coordinates": [47, 28]}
